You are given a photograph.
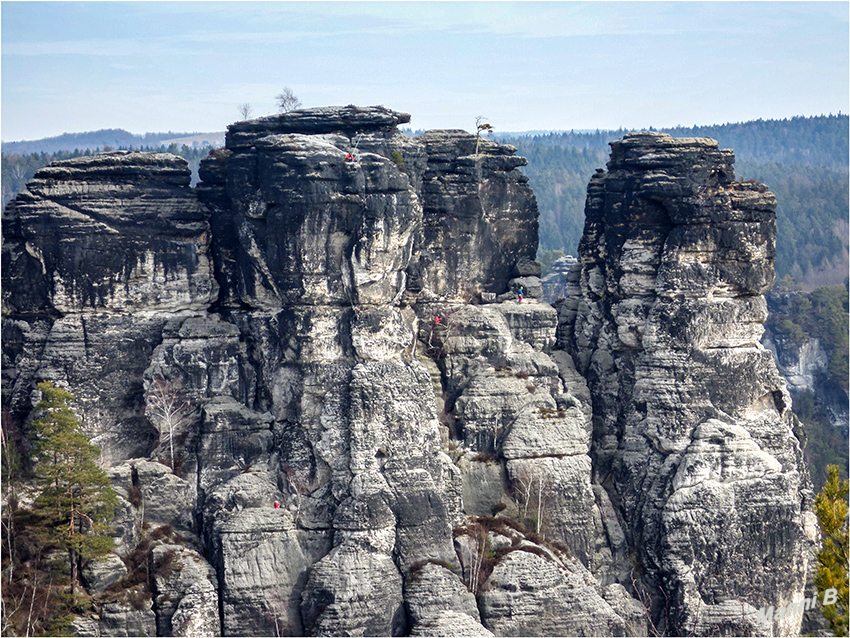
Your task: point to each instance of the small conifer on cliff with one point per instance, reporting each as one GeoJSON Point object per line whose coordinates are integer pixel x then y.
{"type": "Point", "coordinates": [832, 512]}
{"type": "Point", "coordinates": [75, 500]}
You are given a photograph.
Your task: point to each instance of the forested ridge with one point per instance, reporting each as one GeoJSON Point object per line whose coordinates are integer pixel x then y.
{"type": "Point", "coordinates": [803, 160]}
{"type": "Point", "coordinates": [115, 137]}
{"type": "Point", "coordinates": [795, 318]}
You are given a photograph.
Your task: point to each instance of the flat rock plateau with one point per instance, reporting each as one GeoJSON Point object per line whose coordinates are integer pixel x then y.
{"type": "Point", "coordinates": [362, 342]}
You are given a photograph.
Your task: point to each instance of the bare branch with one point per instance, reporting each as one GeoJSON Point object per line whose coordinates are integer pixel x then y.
{"type": "Point", "coordinates": [245, 110]}
{"type": "Point", "coordinates": [481, 124]}
{"type": "Point", "coordinates": [287, 100]}
{"type": "Point", "coordinates": [169, 410]}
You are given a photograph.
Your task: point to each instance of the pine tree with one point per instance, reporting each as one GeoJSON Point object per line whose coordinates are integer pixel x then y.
{"type": "Point", "coordinates": [832, 510]}
{"type": "Point", "coordinates": [74, 499]}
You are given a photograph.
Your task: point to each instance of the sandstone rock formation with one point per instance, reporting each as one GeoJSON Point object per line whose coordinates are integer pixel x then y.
{"type": "Point", "coordinates": [375, 434]}
{"type": "Point", "coordinates": [99, 252]}
{"type": "Point", "coordinates": [687, 404]}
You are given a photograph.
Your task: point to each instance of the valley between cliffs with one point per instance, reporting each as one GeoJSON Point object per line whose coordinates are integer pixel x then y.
{"type": "Point", "coordinates": [387, 431]}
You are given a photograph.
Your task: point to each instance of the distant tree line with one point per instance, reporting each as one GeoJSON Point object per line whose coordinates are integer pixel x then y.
{"type": "Point", "coordinates": [115, 137]}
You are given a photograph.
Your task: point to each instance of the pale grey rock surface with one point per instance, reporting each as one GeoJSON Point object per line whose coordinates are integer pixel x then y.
{"type": "Point", "coordinates": [168, 499]}
{"type": "Point", "coordinates": [355, 590]}
{"type": "Point", "coordinates": [529, 595]}
{"type": "Point", "coordinates": [128, 616]}
{"type": "Point", "coordinates": [450, 623]}
{"type": "Point", "coordinates": [630, 610]}
{"type": "Point", "coordinates": [186, 593]}
{"type": "Point", "coordinates": [103, 571]}
{"type": "Point", "coordinates": [554, 284]}
{"type": "Point", "coordinates": [84, 627]}
{"type": "Point", "coordinates": [433, 589]}
{"type": "Point", "coordinates": [263, 564]}
{"type": "Point", "coordinates": [515, 398]}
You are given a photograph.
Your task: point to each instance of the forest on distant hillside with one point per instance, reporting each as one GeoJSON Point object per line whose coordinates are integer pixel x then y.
{"type": "Point", "coordinates": [803, 160]}
{"type": "Point", "coordinates": [796, 318]}
{"type": "Point", "coordinates": [91, 140]}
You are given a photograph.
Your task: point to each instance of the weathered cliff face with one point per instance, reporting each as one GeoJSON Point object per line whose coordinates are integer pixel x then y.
{"type": "Point", "coordinates": [693, 438]}
{"type": "Point", "coordinates": [479, 226]}
{"type": "Point", "coordinates": [555, 282]}
{"type": "Point", "coordinates": [345, 339]}
{"type": "Point", "coordinates": [99, 253]}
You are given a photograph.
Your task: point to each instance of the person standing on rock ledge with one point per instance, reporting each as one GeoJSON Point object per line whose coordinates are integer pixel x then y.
{"type": "Point", "coordinates": [520, 295]}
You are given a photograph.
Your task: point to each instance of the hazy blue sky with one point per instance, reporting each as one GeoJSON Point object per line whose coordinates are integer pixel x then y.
{"type": "Point", "coordinates": [185, 66]}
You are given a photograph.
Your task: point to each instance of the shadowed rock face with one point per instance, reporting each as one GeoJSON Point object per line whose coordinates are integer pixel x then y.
{"type": "Point", "coordinates": [157, 257]}
{"type": "Point", "coordinates": [289, 303]}
{"type": "Point", "coordinates": [479, 217]}
{"type": "Point", "coordinates": [693, 437]}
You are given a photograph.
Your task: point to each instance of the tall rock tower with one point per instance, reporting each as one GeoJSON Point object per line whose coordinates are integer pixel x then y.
{"type": "Point", "coordinates": [693, 437]}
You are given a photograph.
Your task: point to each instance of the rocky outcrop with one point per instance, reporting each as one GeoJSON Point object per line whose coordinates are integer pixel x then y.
{"type": "Point", "coordinates": [533, 595]}
{"type": "Point", "coordinates": [674, 261]}
{"type": "Point", "coordinates": [133, 616]}
{"type": "Point", "coordinates": [521, 417]}
{"type": "Point", "coordinates": [102, 572]}
{"type": "Point", "coordinates": [377, 427]}
{"type": "Point", "coordinates": [479, 218]}
{"type": "Point", "coordinates": [433, 590]}
{"type": "Point", "coordinates": [186, 593]}
{"type": "Point", "coordinates": [140, 206]}
{"type": "Point", "coordinates": [98, 253]}
{"type": "Point", "coordinates": [555, 282]}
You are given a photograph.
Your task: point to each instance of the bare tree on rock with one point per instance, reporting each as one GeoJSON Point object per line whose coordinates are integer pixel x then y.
{"type": "Point", "coordinates": [245, 110]}
{"type": "Point", "coordinates": [169, 409]}
{"type": "Point", "coordinates": [533, 487]}
{"type": "Point", "coordinates": [287, 100]}
{"type": "Point", "coordinates": [481, 124]}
